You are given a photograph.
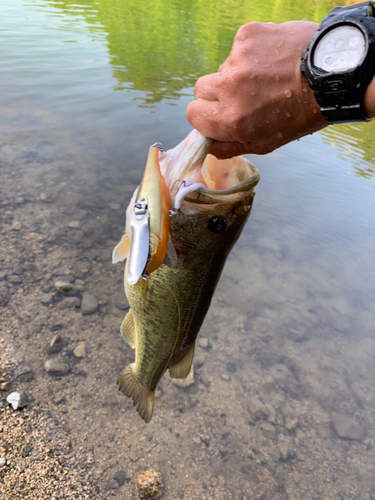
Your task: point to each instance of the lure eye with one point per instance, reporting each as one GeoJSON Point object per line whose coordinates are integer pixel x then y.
{"type": "Point", "coordinates": [217, 225]}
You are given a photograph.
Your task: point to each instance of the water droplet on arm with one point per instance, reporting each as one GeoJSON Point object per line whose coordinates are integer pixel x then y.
{"type": "Point", "coordinates": [287, 114]}
{"type": "Point", "coordinates": [279, 135]}
{"type": "Point", "coordinates": [288, 93]}
{"type": "Point", "coordinates": [277, 78]}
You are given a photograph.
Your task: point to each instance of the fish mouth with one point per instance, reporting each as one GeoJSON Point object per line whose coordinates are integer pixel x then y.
{"type": "Point", "coordinates": [216, 180]}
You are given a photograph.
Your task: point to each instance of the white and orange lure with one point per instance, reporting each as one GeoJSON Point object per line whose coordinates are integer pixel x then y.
{"type": "Point", "coordinates": [147, 229]}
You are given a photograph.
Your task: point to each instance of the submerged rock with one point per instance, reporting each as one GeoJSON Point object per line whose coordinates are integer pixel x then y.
{"type": "Point", "coordinates": [56, 367]}
{"type": "Point", "coordinates": [149, 483]}
{"type": "Point", "coordinates": [89, 304]}
{"type": "Point", "coordinates": [66, 287]}
{"type": "Point", "coordinates": [346, 428]}
{"type": "Point", "coordinates": [69, 303]}
{"type": "Point", "coordinates": [80, 351]}
{"type": "Point", "coordinates": [17, 400]}
{"type": "Point", "coordinates": [185, 382]}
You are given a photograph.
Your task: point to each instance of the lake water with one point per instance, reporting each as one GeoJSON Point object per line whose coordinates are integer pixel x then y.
{"type": "Point", "coordinates": [86, 87]}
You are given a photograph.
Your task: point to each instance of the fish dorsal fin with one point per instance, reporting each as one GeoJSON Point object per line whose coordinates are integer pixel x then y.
{"type": "Point", "coordinates": [121, 250]}
{"type": "Point", "coordinates": [171, 258]}
{"type": "Point", "coordinates": [182, 369]}
{"type": "Point", "coordinates": [128, 329]}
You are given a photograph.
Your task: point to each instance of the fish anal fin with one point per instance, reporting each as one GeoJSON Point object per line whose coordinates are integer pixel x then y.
{"type": "Point", "coordinates": [182, 369]}
{"type": "Point", "coordinates": [121, 250]}
{"type": "Point", "coordinates": [128, 330]}
{"type": "Point", "coordinates": [142, 398]}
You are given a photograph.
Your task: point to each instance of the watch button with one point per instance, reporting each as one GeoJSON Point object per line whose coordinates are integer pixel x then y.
{"type": "Point", "coordinates": [334, 86]}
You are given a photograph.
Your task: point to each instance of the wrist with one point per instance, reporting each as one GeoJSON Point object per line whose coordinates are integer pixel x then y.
{"type": "Point", "coordinates": [369, 100]}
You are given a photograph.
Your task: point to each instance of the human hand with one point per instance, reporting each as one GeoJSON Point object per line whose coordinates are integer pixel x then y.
{"type": "Point", "coordinates": [258, 100]}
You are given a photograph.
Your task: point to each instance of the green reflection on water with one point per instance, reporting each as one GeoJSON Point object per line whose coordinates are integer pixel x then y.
{"type": "Point", "coordinates": [161, 47]}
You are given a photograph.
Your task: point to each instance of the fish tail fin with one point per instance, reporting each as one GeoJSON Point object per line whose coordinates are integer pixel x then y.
{"type": "Point", "coordinates": [142, 398]}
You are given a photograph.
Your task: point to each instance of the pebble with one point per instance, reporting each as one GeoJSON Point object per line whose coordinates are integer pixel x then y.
{"type": "Point", "coordinates": [74, 224]}
{"type": "Point", "coordinates": [276, 455]}
{"type": "Point", "coordinates": [66, 287]}
{"type": "Point", "coordinates": [203, 342]}
{"type": "Point", "coordinates": [181, 493]}
{"type": "Point", "coordinates": [185, 382]}
{"type": "Point", "coordinates": [291, 423]}
{"type": "Point", "coordinates": [47, 298]}
{"type": "Point", "coordinates": [56, 341]}
{"type": "Point", "coordinates": [14, 279]}
{"type": "Point", "coordinates": [16, 226]}
{"type": "Point", "coordinates": [69, 303]}
{"type": "Point", "coordinates": [17, 400]}
{"type": "Point", "coordinates": [111, 485]}
{"type": "Point", "coordinates": [89, 304]}
{"type": "Point", "coordinates": [25, 372]}
{"type": "Point", "coordinates": [268, 430]}
{"type": "Point", "coordinates": [346, 428]}
{"type": "Point", "coordinates": [121, 302]}
{"type": "Point", "coordinates": [2, 461]}
{"type": "Point", "coordinates": [4, 386]}
{"type": "Point", "coordinates": [149, 483]}
{"type": "Point", "coordinates": [80, 350]}
{"type": "Point", "coordinates": [56, 367]}
{"type": "Point", "coordinates": [114, 206]}
{"type": "Point", "coordinates": [120, 477]}
{"type": "Point", "coordinates": [257, 409]}
{"type": "Point", "coordinates": [296, 476]}
{"type": "Point", "coordinates": [231, 367]}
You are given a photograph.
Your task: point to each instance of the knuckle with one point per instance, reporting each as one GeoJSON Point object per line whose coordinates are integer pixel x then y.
{"type": "Point", "coordinates": [248, 30]}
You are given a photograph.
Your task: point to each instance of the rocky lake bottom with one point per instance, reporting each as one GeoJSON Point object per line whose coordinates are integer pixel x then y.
{"type": "Point", "coordinates": [282, 402]}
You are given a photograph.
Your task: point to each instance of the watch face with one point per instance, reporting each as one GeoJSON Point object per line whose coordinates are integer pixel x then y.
{"type": "Point", "coordinates": [341, 49]}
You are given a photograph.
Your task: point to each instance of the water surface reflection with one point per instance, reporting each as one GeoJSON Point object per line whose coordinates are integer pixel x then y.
{"type": "Point", "coordinates": [86, 88]}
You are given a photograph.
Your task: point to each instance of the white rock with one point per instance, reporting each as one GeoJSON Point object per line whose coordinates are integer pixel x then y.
{"type": "Point", "coordinates": [17, 400]}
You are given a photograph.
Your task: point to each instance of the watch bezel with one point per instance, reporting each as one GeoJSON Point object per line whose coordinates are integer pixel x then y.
{"type": "Point", "coordinates": [317, 69]}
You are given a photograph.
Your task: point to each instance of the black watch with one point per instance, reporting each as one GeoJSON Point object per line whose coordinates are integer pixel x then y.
{"type": "Point", "coordinates": [339, 62]}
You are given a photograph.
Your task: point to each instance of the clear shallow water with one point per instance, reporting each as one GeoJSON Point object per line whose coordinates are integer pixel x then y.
{"type": "Point", "coordinates": [86, 87]}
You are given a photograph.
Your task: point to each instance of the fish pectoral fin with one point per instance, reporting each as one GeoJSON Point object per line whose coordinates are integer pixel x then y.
{"type": "Point", "coordinates": [182, 369]}
{"type": "Point", "coordinates": [142, 398]}
{"type": "Point", "coordinates": [171, 257]}
{"type": "Point", "coordinates": [121, 250]}
{"type": "Point", "coordinates": [128, 330]}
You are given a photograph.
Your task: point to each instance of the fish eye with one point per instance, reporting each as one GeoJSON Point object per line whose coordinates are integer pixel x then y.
{"type": "Point", "coordinates": [217, 225]}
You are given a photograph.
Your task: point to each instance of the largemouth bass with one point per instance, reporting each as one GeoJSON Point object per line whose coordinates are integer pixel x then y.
{"type": "Point", "coordinates": [209, 201]}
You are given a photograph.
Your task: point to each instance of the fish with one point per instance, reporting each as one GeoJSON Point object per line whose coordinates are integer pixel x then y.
{"type": "Point", "coordinates": [207, 204]}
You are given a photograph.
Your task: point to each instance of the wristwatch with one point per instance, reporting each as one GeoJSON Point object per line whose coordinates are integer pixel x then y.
{"type": "Point", "coordinates": [339, 62]}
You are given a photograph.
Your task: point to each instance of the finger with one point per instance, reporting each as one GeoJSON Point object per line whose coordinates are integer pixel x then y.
{"type": "Point", "coordinates": [203, 115]}
{"type": "Point", "coordinates": [206, 87]}
{"type": "Point", "coordinates": [223, 150]}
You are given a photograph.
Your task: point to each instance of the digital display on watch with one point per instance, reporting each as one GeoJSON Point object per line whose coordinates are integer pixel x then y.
{"type": "Point", "coordinates": [341, 49]}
